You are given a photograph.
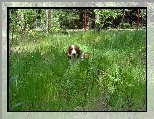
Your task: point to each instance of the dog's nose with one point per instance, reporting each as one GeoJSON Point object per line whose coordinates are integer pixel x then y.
{"type": "Point", "coordinates": [74, 54]}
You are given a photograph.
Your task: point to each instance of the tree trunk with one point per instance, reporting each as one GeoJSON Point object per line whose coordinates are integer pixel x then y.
{"type": "Point", "coordinates": [97, 26]}
{"type": "Point", "coordinates": [22, 21]}
{"type": "Point", "coordinates": [47, 20]}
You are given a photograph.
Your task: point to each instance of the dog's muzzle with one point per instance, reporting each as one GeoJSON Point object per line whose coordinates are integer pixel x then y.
{"type": "Point", "coordinates": [74, 55]}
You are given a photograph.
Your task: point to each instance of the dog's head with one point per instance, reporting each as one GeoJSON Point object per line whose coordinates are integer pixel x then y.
{"type": "Point", "coordinates": [73, 51]}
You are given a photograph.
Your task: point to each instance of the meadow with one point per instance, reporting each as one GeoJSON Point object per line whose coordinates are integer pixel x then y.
{"type": "Point", "coordinates": [112, 79]}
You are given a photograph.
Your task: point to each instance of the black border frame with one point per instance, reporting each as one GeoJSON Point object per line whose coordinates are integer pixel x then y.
{"type": "Point", "coordinates": [137, 7]}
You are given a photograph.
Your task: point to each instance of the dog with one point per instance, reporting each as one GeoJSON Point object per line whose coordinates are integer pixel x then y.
{"type": "Point", "coordinates": [74, 53]}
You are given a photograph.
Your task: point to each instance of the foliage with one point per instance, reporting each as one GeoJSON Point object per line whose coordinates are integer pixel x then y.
{"type": "Point", "coordinates": [62, 19]}
{"type": "Point", "coordinates": [107, 16]}
{"type": "Point", "coordinates": [112, 79]}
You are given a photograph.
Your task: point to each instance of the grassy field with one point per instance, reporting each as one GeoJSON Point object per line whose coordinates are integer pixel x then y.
{"type": "Point", "coordinates": [112, 79]}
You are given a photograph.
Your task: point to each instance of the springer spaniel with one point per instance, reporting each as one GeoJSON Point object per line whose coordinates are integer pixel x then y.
{"type": "Point", "coordinates": [73, 53]}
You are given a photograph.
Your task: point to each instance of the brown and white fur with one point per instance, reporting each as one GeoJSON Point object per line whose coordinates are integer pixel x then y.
{"type": "Point", "coordinates": [74, 53]}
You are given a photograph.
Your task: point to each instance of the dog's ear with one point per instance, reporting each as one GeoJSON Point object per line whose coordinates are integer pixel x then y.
{"type": "Point", "coordinates": [78, 50]}
{"type": "Point", "coordinates": [67, 53]}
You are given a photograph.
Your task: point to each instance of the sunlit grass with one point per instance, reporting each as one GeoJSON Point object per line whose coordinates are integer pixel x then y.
{"type": "Point", "coordinates": [112, 79]}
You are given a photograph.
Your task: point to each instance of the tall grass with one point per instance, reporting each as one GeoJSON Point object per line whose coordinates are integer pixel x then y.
{"type": "Point", "coordinates": [112, 79]}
